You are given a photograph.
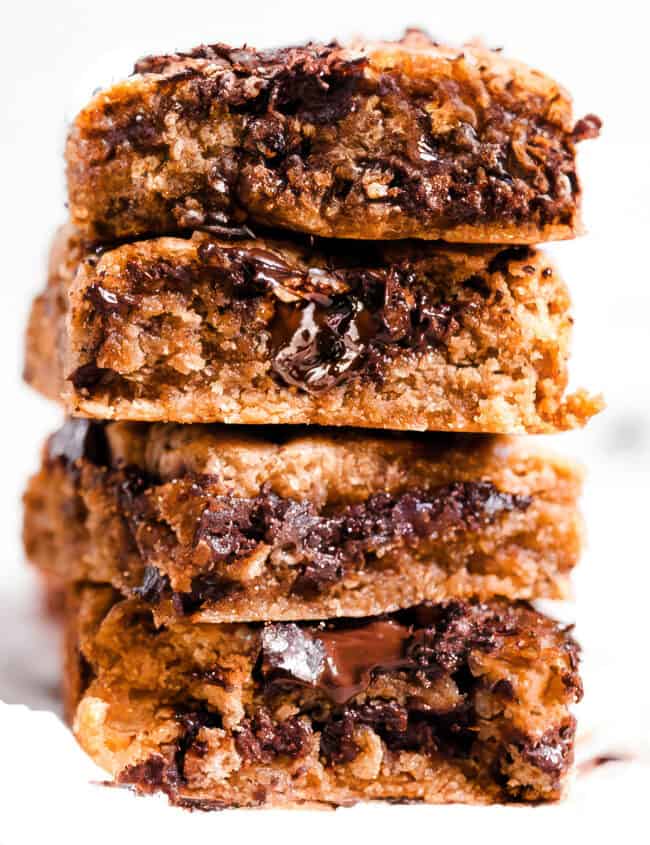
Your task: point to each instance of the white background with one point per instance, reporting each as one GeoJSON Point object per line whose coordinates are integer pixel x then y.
{"type": "Point", "coordinates": [53, 56]}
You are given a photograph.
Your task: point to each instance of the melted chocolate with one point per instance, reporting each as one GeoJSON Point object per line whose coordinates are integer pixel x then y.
{"type": "Point", "coordinates": [471, 171]}
{"type": "Point", "coordinates": [331, 325]}
{"type": "Point", "coordinates": [552, 752]}
{"type": "Point", "coordinates": [106, 301]}
{"type": "Point", "coordinates": [328, 544]}
{"type": "Point", "coordinates": [339, 662]}
{"type": "Point", "coordinates": [320, 347]}
{"type": "Point", "coordinates": [340, 659]}
{"type": "Point", "coordinates": [90, 377]}
{"type": "Point", "coordinates": [321, 343]}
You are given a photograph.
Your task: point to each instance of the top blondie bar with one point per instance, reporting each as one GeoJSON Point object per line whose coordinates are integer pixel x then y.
{"type": "Point", "coordinates": [386, 140]}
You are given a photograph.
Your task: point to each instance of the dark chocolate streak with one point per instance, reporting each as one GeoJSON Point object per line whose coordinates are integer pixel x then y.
{"type": "Point", "coordinates": [329, 544]}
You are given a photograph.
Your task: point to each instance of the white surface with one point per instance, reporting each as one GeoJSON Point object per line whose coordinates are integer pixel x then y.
{"type": "Point", "coordinates": [53, 56]}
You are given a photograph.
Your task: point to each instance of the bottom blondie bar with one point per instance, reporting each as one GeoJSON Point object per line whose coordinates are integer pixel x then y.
{"type": "Point", "coordinates": [452, 702]}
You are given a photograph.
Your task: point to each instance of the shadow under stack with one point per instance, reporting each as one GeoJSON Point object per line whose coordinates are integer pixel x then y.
{"type": "Point", "coordinates": [295, 321]}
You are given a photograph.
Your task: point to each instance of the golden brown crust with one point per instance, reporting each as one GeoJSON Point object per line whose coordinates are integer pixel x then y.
{"type": "Point", "coordinates": [222, 524]}
{"type": "Point", "coordinates": [476, 711]}
{"type": "Point", "coordinates": [406, 336]}
{"type": "Point", "coordinates": [373, 140]}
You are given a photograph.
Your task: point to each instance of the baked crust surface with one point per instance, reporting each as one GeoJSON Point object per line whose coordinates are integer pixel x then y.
{"type": "Point", "coordinates": [441, 703]}
{"type": "Point", "coordinates": [221, 524]}
{"type": "Point", "coordinates": [371, 140]}
{"type": "Point", "coordinates": [406, 336]}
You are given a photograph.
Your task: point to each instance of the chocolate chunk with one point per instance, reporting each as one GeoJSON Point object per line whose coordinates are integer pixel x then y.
{"type": "Point", "coordinates": [150, 775]}
{"type": "Point", "coordinates": [229, 528]}
{"type": "Point", "coordinates": [132, 483]}
{"type": "Point", "coordinates": [233, 527]}
{"type": "Point", "coordinates": [500, 262]}
{"type": "Point", "coordinates": [383, 518]}
{"type": "Point", "coordinates": [339, 663]}
{"type": "Point", "coordinates": [319, 345]}
{"type": "Point", "coordinates": [400, 728]}
{"type": "Point", "coordinates": [261, 739]}
{"type": "Point", "coordinates": [154, 585]}
{"type": "Point", "coordinates": [354, 654]}
{"type": "Point", "coordinates": [453, 630]}
{"type": "Point", "coordinates": [192, 721]}
{"type": "Point", "coordinates": [154, 277]}
{"type": "Point", "coordinates": [337, 743]}
{"type": "Point", "coordinates": [307, 82]}
{"type": "Point", "coordinates": [78, 438]}
{"type": "Point", "coordinates": [383, 716]}
{"type": "Point", "coordinates": [340, 659]}
{"type": "Point", "coordinates": [168, 773]}
{"type": "Point", "coordinates": [552, 753]}
{"type": "Point", "coordinates": [292, 652]}
{"type": "Point", "coordinates": [107, 301]}
{"type": "Point", "coordinates": [90, 377]}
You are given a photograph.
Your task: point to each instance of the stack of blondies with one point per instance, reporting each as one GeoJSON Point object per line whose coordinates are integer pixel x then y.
{"type": "Point", "coordinates": [295, 320]}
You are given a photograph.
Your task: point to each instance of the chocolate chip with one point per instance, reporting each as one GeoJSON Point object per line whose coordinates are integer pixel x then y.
{"type": "Point", "coordinates": [551, 753]}
{"type": "Point", "coordinates": [149, 775]}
